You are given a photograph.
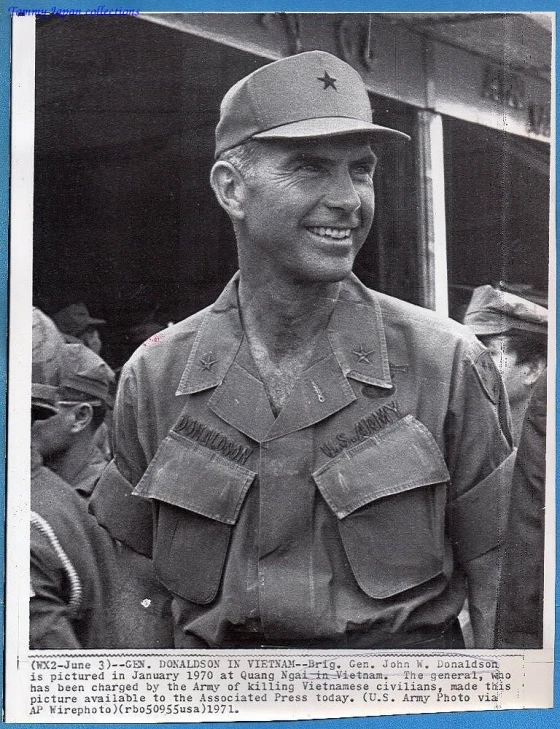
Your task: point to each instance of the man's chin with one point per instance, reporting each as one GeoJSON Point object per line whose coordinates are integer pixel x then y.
{"type": "Point", "coordinates": [334, 273]}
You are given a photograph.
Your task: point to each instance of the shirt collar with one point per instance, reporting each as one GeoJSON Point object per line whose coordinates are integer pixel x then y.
{"type": "Point", "coordinates": [357, 335]}
{"type": "Point", "coordinates": [216, 344]}
{"type": "Point", "coordinates": [355, 332]}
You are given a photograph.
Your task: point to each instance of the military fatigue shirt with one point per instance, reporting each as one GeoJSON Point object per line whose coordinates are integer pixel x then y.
{"type": "Point", "coordinates": [140, 604]}
{"type": "Point", "coordinates": [86, 590]}
{"type": "Point", "coordinates": [87, 475]}
{"type": "Point", "coordinates": [519, 622]}
{"type": "Point", "coordinates": [345, 521]}
{"type": "Point", "coordinates": [71, 569]}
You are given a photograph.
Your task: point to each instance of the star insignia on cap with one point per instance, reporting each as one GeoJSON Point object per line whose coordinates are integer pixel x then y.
{"type": "Point", "coordinates": [362, 354]}
{"type": "Point", "coordinates": [207, 362]}
{"type": "Point", "coordinates": [329, 81]}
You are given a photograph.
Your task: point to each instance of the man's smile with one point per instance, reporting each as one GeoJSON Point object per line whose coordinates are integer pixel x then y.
{"type": "Point", "coordinates": [330, 232]}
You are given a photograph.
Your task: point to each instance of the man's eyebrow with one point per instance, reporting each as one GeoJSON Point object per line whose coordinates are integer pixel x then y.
{"type": "Point", "coordinates": [370, 159]}
{"type": "Point", "coordinates": [299, 156]}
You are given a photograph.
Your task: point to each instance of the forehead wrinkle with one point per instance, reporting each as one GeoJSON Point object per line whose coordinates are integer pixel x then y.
{"type": "Point", "coordinates": [370, 158]}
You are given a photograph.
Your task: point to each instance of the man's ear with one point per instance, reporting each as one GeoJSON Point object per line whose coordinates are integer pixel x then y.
{"type": "Point", "coordinates": [535, 369]}
{"type": "Point", "coordinates": [229, 187]}
{"type": "Point", "coordinates": [83, 415]}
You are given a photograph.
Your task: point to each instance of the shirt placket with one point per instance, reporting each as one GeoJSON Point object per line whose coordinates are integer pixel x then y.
{"type": "Point", "coordinates": [285, 568]}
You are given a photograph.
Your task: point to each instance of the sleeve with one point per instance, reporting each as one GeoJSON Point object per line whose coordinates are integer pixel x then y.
{"type": "Point", "coordinates": [479, 457]}
{"type": "Point", "coordinates": [519, 622]}
{"type": "Point", "coordinates": [52, 605]}
{"type": "Point", "coordinates": [126, 517]}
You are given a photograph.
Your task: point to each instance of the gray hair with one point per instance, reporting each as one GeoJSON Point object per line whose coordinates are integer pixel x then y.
{"type": "Point", "coordinates": [243, 157]}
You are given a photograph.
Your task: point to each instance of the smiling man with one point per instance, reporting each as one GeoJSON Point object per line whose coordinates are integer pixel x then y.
{"type": "Point", "coordinates": [310, 463]}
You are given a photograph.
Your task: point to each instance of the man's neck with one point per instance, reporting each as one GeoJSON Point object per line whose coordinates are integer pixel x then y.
{"type": "Point", "coordinates": [70, 463]}
{"type": "Point", "coordinates": [286, 317]}
{"type": "Point", "coordinates": [282, 323]}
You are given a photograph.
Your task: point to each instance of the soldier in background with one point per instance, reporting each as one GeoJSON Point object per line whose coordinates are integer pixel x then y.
{"type": "Point", "coordinates": [87, 591]}
{"type": "Point", "coordinates": [514, 330]}
{"type": "Point", "coordinates": [76, 325]}
{"type": "Point", "coordinates": [519, 622]}
{"type": "Point", "coordinates": [83, 399]}
{"type": "Point", "coordinates": [72, 563]}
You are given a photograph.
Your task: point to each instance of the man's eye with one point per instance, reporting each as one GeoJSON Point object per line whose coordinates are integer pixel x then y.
{"type": "Point", "coordinates": [309, 167]}
{"type": "Point", "coordinates": [364, 170]}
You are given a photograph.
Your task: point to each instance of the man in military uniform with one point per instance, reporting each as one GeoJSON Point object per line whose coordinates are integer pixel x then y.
{"type": "Point", "coordinates": [519, 621]}
{"type": "Point", "coordinates": [71, 558]}
{"type": "Point", "coordinates": [76, 325]}
{"type": "Point", "coordinates": [310, 463]}
{"type": "Point", "coordinates": [514, 330]}
{"type": "Point", "coordinates": [83, 398]}
{"type": "Point", "coordinates": [86, 590]}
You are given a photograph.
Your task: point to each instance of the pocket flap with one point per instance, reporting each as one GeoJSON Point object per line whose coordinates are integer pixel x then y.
{"type": "Point", "coordinates": [403, 456]}
{"type": "Point", "coordinates": [190, 476]}
{"type": "Point", "coordinates": [126, 519]}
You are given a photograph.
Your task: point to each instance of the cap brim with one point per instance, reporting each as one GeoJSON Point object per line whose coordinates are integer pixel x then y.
{"type": "Point", "coordinates": [40, 411]}
{"type": "Point", "coordinates": [330, 126]}
{"type": "Point", "coordinates": [487, 330]}
{"type": "Point", "coordinates": [44, 397]}
{"type": "Point", "coordinates": [494, 327]}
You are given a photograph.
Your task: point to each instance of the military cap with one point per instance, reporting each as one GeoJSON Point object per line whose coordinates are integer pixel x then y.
{"type": "Point", "coordinates": [75, 319]}
{"type": "Point", "coordinates": [492, 312]}
{"type": "Point", "coordinates": [312, 94]}
{"type": "Point", "coordinates": [47, 361]}
{"type": "Point", "coordinates": [87, 373]}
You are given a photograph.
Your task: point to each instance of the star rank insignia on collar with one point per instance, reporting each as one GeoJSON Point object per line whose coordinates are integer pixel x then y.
{"type": "Point", "coordinates": [362, 354]}
{"type": "Point", "coordinates": [206, 362]}
{"type": "Point", "coordinates": [328, 81]}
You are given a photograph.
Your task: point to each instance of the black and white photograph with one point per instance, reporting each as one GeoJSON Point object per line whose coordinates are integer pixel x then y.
{"type": "Point", "coordinates": [288, 325]}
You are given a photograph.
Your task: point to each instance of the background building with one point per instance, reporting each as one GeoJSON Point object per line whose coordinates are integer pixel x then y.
{"type": "Point", "coordinates": [125, 111]}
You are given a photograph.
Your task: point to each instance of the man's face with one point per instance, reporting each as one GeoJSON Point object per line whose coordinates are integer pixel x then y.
{"type": "Point", "coordinates": [514, 374]}
{"type": "Point", "coordinates": [92, 339]}
{"type": "Point", "coordinates": [308, 207]}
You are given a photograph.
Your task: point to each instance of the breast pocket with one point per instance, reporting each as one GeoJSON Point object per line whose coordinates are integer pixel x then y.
{"type": "Point", "coordinates": [198, 495]}
{"type": "Point", "coordinates": [389, 495]}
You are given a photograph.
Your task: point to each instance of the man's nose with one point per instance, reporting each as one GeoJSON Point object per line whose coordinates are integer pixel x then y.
{"type": "Point", "coordinates": [342, 193]}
